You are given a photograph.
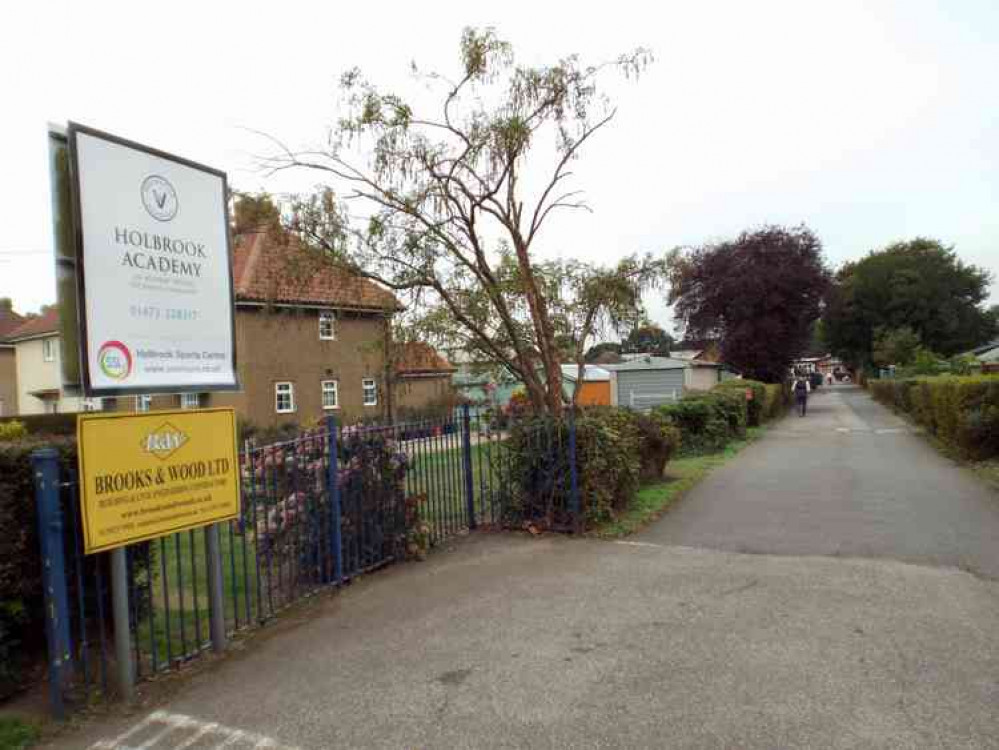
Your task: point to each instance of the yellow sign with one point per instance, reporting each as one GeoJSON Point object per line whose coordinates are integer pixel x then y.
{"type": "Point", "coordinates": [147, 475]}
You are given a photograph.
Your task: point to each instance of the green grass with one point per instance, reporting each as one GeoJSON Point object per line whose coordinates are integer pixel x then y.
{"type": "Point", "coordinates": [681, 475]}
{"type": "Point", "coordinates": [440, 475]}
{"type": "Point", "coordinates": [16, 734]}
{"type": "Point", "coordinates": [191, 620]}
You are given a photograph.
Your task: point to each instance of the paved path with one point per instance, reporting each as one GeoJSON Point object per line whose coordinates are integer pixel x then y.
{"type": "Point", "coordinates": [849, 479]}
{"type": "Point", "coordinates": [514, 642]}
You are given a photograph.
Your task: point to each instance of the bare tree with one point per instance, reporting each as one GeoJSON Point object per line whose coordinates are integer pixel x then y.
{"type": "Point", "coordinates": [439, 206]}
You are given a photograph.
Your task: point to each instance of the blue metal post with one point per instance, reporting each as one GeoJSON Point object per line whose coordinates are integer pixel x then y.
{"type": "Point", "coordinates": [574, 500]}
{"type": "Point", "coordinates": [45, 467]}
{"type": "Point", "coordinates": [466, 445]}
{"type": "Point", "coordinates": [333, 491]}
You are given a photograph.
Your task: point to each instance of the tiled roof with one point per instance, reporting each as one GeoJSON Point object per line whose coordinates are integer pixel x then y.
{"type": "Point", "coordinates": [418, 358]}
{"type": "Point", "coordinates": [9, 320]}
{"type": "Point", "coordinates": [38, 325]}
{"type": "Point", "coordinates": [267, 268]}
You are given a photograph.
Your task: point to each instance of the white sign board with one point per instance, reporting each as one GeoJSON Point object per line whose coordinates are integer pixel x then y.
{"type": "Point", "coordinates": [154, 269]}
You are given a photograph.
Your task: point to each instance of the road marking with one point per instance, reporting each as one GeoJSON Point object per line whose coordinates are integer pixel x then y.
{"type": "Point", "coordinates": [162, 725]}
{"type": "Point", "coordinates": [641, 544]}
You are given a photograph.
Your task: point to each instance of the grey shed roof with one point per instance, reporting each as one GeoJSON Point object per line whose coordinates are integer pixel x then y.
{"type": "Point", "coordinates": [649, 363]}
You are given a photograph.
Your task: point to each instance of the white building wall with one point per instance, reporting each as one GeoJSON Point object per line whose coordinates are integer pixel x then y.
{"type": "Point", "coordinates": [35, 374]}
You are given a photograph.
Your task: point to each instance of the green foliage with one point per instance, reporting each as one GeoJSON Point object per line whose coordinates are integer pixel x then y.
{"type": "Point", "coordinates": [607, 351]}
{"type": "Point", "coordinates": [755, 406]}
{"type": "Point", "coordinates": [920, 284]}
{"type": "Point", "coordinates": [450, 225]}
{"type": "Point", "coordinates": [255, 212]}
{"type": "Point", "coordinates": [963, 412]}
{"type": "Point", "coordinates": [21, 614]}
{"type": "Point", "coordinates": [45, 424]}
{"type": "Point", "coordinates": [616, 450]}
{"type": "Point", "coordinates": [12, 430]}
{"type": "Point", "coordinates": [647, 338]}
{"type": "Point", "coordinates": [759, 293]}
{"type": "Point", "coordinates": [895, 346]}
{"type": "Point", "coordinates": [652, 500]}
{"type": "Point", "coordinates": [775, 401]}
{"type": "Point", "coordinates": [16, 734]}
{"type": "Point", "coordinates": [707, 421]}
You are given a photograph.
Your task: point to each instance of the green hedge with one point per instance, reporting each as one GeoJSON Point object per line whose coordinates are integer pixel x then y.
{"type": "Point", "coordinates": [46, 424]}
{"type": "Point", "coordinates": [616, 449]}
{"type": "Point", "coordinates": [963, 412]}
{"type": "Point", "coordinates": [707, 421]}
{"type": "Point", "coordinates": [22, 624]}
{"type": "Point", "coordinates": [756, 406]}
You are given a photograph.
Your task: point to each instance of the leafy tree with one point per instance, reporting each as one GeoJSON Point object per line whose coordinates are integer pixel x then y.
{"type": "Point", "coordinates": [647, 337]}
{"type": "Point", "coordinates": [252, 212]}
{"type": "Point", "coordinates": [602, 351]}
{"type": "Point", "coordinates": [895, 346]}
{"type": "Point", "coordinates": [446, 206]}
{"type": "Point", "coordinates": [921, 285]}
{"type": "Point", "coordinates": [759, 294]}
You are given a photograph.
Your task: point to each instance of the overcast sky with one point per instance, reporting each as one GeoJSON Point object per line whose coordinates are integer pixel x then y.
{"type": "Point", "coordinates": [869, 121]}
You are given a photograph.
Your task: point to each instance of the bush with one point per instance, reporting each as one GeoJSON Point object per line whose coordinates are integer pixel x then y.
{"type": "Point", "coordinates": [12, 430]}
{"type": "Point", "coordinates": [22, 624]}
{"type": "Point", "coordinates": [963, 412]}
{"type": "Point", "coordinates": [707, 421]}
{"type": "Point", "coordinates": [615, 449]}
{"type": "Point", "coordinates": [776, 399]}
{"type": "Point", "coordinates": [22, 616]}
{"type": "Point", "coordinates": [45, 424]}
{"type": "Point", "coordinates": [756, 406]}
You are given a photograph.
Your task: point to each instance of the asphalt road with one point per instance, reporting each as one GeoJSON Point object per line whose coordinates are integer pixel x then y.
{"type": "Point", "coordinates": [514, 642]}
{"type": "Point", "coordinates": [849, 479]}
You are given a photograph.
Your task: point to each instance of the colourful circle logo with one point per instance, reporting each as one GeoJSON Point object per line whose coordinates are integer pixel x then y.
{"type": "Point", "coordinates": [115, 360]}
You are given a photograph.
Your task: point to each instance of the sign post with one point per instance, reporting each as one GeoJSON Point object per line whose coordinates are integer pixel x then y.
{"type": "Point", "coordinates": [144, 476]}
{"type": "Point", "coordinates": [146, 301]}
{"type": "Point", "coordinates": [153, 269]}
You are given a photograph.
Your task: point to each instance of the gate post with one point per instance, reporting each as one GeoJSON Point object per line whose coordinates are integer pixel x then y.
{"type": "Point", "coordinates": [574, 500]}
{"type": "Point", "coordinates": [216, 588]}
{"type": "Point", "coordinates": [333, 494]}
{"type": "Point", "coordinates": [466, 450]}
{"type": "Point", "coordinates": [122, 625]}
{"type": "Point", "coordinates": [45, 468]}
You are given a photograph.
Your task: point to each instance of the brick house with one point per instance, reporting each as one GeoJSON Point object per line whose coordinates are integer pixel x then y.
{"type": "Point", "coordinates": [9, 322]}
{"type": "Point", "coordinates": [311, 341]}
{"type": "Point", "coordinates": [422, 381]}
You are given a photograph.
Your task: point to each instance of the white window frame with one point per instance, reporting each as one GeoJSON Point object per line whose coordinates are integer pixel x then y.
{"type": "Point", "coordinates": [187, 403]}
{"type": "Point", "coordinates": [284, 388]}
{"type": "Point", "coordinates": [327, 320]}
{"type": "Point", "coordinates": [335, 390]}
{"type": "Point", "coordinates": [92, 404]}
{"type": "Point", "coordinates": [48, 349]}
{"type": "Point", "coordinates": [369, 385]}
{"type": "Point", "coordinates": [51, 406]}
{"type": "Point", "coordinates": [143, 403]}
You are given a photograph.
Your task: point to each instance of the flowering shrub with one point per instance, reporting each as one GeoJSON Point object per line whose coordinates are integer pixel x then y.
{"type": "Point", "coordinates": [286, 501]}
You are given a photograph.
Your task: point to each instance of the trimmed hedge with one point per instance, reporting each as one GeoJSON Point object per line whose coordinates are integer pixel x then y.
{"type": "Point", "coordinates": [22, 624]}
{"type": "Point", "coordinates": [963, 412]}
{"type": "Point", "coordinates": [755, 407]}
{"type": "Point", "coordinates": [707, 421]}
{"type": "Point", "coordinates": [616, 450]}
{"type": "Point", "coordinates": [46, 424]}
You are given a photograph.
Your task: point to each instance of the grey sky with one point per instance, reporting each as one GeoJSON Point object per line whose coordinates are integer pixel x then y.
{"type": "Point", "coordinates": [869, 121]}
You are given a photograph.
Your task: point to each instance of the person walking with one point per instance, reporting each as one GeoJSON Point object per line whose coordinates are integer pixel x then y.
{"type": "Point", "coordinates": [801, 388]}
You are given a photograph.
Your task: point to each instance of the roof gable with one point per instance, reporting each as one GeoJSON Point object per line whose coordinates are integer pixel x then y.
{"type": "Point", "coordinates": [419, 358]}
{"type": "Point", "coordinates": [269, 268]}
{"type": "Point", "coordinates": [37, 325]}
